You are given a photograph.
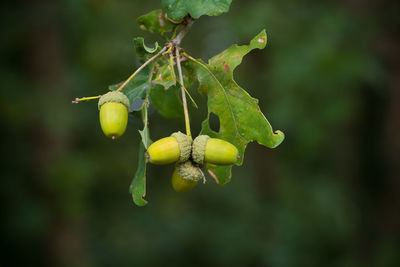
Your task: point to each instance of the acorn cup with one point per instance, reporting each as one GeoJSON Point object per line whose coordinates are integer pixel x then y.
{"type": "Point", "coordinates": [213, 150]}
{"type": "Point", "coordinates": [114, 107]}
{"type": "Point", "coordinates": [185, 176]}
{"type": "Point", "coordinates": [176, 147]}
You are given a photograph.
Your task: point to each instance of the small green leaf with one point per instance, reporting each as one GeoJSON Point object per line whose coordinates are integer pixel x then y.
{"type": "Point", "coordinates": [178, 9]}
{"type": "Point", "coordinates": [138, 185]}
{"type": "Point", "coordinates": [145, 134]}
{"type": "Point", "coordinates": [167, 102]}
{"type": "Point", "coordinates": [165, 76]}
{"type": "Point", "coordinates": [164, 94]}
{"type": "Point", "coordinates": [145, 138]}
{"type": "Point", "coordinates": [143, 51]}
{"type": "Point", "coordinates": [138, 86]}
{"type": "Point", "coordinates": [241, 120]}
{"type": "Point", "coordinates": [156, 22]}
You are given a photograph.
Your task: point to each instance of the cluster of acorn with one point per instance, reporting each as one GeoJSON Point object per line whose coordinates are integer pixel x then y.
{"type": "Point", "coordinates": [189, 155]}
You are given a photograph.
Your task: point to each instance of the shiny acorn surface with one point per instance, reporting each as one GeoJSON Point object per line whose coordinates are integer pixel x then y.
{"type": "Point", "coordinates": [113, 119]}
{"type": "Point", "coordinates": [181, 185]}
{"type": "Point", "coordinates": [220, 152]}
{"type": "Point", "coordinates": [164, 151]}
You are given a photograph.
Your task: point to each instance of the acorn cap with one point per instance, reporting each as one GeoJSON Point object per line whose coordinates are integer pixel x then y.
{"type": "Point", "coordinates": [114, 96]}
{"type": "Point", "coordinates": [188, 171]}
{"type": "Point", "coordinates": [185, 145]}
{"type": "Point", "coordinates": [199, 148]}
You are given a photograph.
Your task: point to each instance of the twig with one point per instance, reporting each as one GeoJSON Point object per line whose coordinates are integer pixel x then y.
{"type": "Point", "coordinates": [213, 176]}
{"type": "Point", "coordinates": [190, 97]}
{"type": "Point", "coordinates": [142, 67]}
{"type": "Point", "coordinates": [177, 40]}
{"type": "Point", "coordinates": [77, 100]}
{"type": "Point", "coordinates": [185, 108]}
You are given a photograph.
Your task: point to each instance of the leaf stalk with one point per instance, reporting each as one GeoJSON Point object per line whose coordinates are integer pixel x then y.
{"type": "Point", "coordinates": [142, 67]}
{"type": "Point", "coordinates": [184, 102]}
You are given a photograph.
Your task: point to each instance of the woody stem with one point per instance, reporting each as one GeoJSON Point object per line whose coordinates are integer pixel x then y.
{"type": "Point", "coordinates": [142, 67]}
{"type": "Point", "coordinates": [184, 102]}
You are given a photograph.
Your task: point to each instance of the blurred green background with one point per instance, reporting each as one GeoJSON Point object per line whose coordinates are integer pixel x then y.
{"type": "Point", "coordinates": [329, 195]}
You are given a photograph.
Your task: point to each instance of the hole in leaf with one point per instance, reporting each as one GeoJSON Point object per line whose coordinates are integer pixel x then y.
{"type": "Point", "coordinates": [213, 121]}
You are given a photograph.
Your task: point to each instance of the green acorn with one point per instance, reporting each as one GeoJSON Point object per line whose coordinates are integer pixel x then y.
{"type": "Point", "coordinates": [213, 150]}
{"type": "Point", "coordinates": [176, 147]}
{"type": "Point", "coordinates": [185, 176]}
{"type": "Point", "coordinates": [114, 107]}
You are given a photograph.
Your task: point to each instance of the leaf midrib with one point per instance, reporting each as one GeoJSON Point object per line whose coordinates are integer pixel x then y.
{"type": "Point", "coordinates": [225, 94]}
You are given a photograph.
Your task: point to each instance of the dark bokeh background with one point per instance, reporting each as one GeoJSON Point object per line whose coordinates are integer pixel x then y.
{"type": "Point", "coordinates": [328, 196]}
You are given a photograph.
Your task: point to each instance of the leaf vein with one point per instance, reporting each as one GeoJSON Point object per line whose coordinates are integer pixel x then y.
{"type": "Point", "coordinates": [225, 94]}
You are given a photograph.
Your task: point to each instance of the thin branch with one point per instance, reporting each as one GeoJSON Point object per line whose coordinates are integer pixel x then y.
{"type": "Point", "coordinates": [185, 108]}
{"type": "Point", "coordinates": [77, 100]}
{"type": "Point", "coordinates": [190, 97]}
{"type": "Point", "coordinates": [177, 40]}
{"type": "Point", "coordinates": [213, 176]}
{"type": "Point", "coordinates": [142, 67]}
